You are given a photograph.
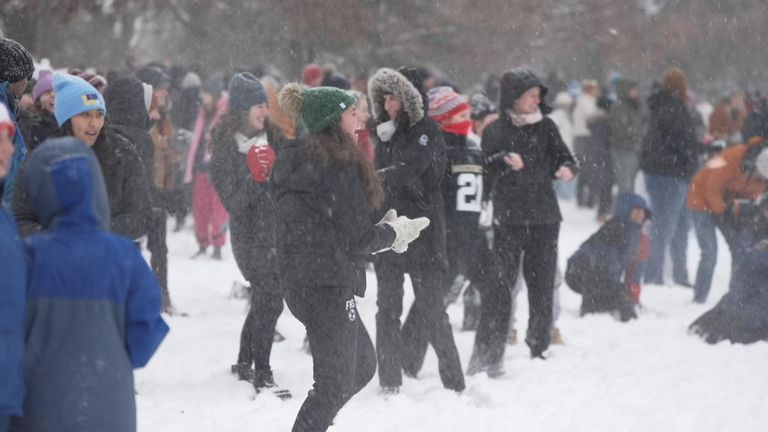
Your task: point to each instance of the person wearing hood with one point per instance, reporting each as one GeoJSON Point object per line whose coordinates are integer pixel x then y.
{"type": "Point", "coordinates": [13, 267]}
{"type": "Point", "coordinates": [524, 155]}
{"type": "Point", "coordinates": [244, 149]}
{"type": "Point", "coordinates": [93, 304]}
{"type": "Point", "coordinates": [411, 159]}
{"type": "Point", "coordinates": [669, 159]}
{"type": "Point", "coordinates": [627, 128]}
{"type": "Point", "coordinates": [210, 215]}
{"type": "Point", "coordinates": [599, 270]}
{"type": "Point", "coordinates": [16, 68]}
{"type": "Point", "coordinates": [80, 111]}
{"type": "Point", "coordinates": [325, 191]}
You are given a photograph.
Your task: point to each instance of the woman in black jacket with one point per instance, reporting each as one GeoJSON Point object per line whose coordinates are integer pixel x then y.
{"type": "Point", "coordinates": [325, 191]}
{"type": "Point", "coordinates": [243, 152]}
{"type": "Point", "coordinates": [524, 155]}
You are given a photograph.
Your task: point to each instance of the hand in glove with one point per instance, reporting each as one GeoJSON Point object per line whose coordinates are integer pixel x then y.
{"type": "Point", "coordinates": [406, 230]}
{"type": "Point", "coordinates": [260, 161]}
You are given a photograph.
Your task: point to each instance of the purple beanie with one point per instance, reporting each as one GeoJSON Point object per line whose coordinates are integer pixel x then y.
{"type": "Point", "coordinates": [44, 84]}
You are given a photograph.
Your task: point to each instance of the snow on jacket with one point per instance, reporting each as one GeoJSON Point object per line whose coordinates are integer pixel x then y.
{"type": "Point", "coordinates": [13, 267]}
{"type": "Point", "coordinates": [126, 183]}
{"type": "Point", "coordinates": [324, 222]}
{"type": "Point", "coordinates": [8, 99]}
{"type": "Point", "coordinates": [670, 147]}
{"type": "Point", "coordinates": [93, 312]}
{"type": "Point", "coordinates": [723, 179]}
{"type": "Point", "coordinates": [412, 164]}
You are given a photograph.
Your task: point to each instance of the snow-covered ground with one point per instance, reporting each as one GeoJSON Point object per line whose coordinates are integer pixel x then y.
{"type": "Point", "coordinates": [647, 375]}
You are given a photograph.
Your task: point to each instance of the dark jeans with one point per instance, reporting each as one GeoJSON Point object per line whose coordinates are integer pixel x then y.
{"type": "Point", "coordinates": [538, 243]}
{"type": "Point", "coordinates": [343, 357]}
{"type": "Point", "coordinates": [706, 234]}
{"type": "Point", "coordinates": [257, 335]}
{"type": "Point", "coordinates": [402, 348]}
{"type": "Point", "coordinates": [667, 198]}
{"type": "Point", "coordinates": [157, 246]}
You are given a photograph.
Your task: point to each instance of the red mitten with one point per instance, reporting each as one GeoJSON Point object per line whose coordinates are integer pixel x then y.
{"type": "Point", "coordinates": [260, 161]}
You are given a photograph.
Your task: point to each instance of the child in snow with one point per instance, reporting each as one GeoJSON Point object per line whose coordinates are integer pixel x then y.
{"type": "Point", "coordinates": [93, 312]}
{"type": "Point", "coordinates": [600, 269]}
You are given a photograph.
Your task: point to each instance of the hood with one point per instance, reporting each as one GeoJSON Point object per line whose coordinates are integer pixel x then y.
{"type": "Point", "coordinates": [389, 81]}
{"type": "Point", "coordinates": [627, 202]}
{"type": "Point", "coordinates": [517, 81]}
{"type": "Point", "coordinates": [66, 186]}
{"type": "Point", "coordinates": [125, 99]}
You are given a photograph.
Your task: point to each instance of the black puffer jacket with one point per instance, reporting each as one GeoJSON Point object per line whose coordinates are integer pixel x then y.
{"type": "Point", "coordinates": [324, 222]}
{"type": "Point", "coordinates": [127, 189]}
{"type": "Point", "coordinates": [252, 213]}
{"type": "Point", "coordinates": [670, 148]}
{"type": "Point", "coordinates": [525, 197]}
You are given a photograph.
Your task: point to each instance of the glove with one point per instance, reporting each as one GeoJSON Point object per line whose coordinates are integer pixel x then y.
{"type": "Point", "coordinates": [406, 230]}
{"type": "Point", "coordinates": [260, 161]}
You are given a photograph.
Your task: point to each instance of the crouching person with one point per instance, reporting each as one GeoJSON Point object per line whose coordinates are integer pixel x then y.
{"type": "Point", "coordinates": [598, 270]}
{"type": "Point", "coordinates": [93, 304]}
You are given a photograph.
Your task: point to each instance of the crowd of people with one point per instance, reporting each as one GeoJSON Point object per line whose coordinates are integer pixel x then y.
{"type": "Point", "coordinates": [315, 181]}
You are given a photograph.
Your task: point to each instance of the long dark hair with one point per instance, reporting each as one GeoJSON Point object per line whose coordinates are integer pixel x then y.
{"type": "Point", "coordinates": [334, 144]}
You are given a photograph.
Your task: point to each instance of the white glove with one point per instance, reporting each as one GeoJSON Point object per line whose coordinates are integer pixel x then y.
{"type": "Point", "coordinates": [406, 230]}
{"type": "Point", "coordinates": [486, 214]}
{"type": "Point", "coordinates": [386, 130]}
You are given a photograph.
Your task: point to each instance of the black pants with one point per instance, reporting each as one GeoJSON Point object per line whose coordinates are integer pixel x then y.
{"type": "Point", "coordinates": [402, 348]}
{"type": "Point", "coordinates": [343, 357]}
{"type": "Point", "coordinates": [157, 246]}
{"type": "Point", "coordinates": [257, 335]}
{"type": "Point", "coordinates": [539, 243]}
{"type": "Point", "coordinates": [599, 293]}
{"type": "Point", "coordinates": [495, 308]}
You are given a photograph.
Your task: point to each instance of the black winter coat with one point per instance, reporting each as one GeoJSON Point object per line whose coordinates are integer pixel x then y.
{"type": "Point", "coordinates": [670, 148]}
{"type": "Point", "coordinates": [412, 165]}
{"type": "Point", "coordinates": [127, 189]}
{"type": "Point", "coordinates": [37, 128]}
{"type": "Point", "coordinates": [252, 213]}
{"type": "Point", "coordinates": [526, 197]}
{"type": "Point", "coordinates": [324, 221]}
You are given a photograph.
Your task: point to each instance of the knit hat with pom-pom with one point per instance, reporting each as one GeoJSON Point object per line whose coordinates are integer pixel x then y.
{"type": "Point", "coordinates": [317, 107]}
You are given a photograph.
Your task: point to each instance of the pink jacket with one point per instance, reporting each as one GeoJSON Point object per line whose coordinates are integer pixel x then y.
{"type": "Point", "coordinates": [222, 106]}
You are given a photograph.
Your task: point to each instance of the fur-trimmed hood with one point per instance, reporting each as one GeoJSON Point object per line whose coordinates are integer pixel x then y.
{"type": "Point", "coordinates": [389, 81]}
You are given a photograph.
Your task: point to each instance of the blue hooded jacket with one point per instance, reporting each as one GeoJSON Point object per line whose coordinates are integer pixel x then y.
{"type": "Point", "coordinates": [94, 305]}
{"type": "Point", "coordinates": [8, 99]}
{"type": "Point", "coordinates": [13, 268]}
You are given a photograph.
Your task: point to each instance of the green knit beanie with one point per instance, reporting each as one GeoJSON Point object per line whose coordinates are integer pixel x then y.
{"type": "Point", "coordinates": [317, 107]}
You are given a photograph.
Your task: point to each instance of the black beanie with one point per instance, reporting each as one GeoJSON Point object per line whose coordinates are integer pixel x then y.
{"type": "Point", "coordinates": [245, 91]}
{"type": "Point", "coordinates": [15, 61]}
{"type": "Point", "coordinates": [153, 76]}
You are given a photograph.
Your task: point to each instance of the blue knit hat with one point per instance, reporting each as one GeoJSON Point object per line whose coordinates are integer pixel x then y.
{"type": "Point", "coordinates": [74, 96]}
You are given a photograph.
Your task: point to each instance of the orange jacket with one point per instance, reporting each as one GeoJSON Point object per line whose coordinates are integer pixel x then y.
{"type": "Point", "coordinates": [722, 180]}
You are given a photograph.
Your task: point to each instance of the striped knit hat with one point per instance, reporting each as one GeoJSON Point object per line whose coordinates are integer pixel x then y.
{"type": "Point", "coordinates": [445, 103]}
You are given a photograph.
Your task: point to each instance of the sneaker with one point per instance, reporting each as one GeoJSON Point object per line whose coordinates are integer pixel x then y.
{"type": "Point", "coordinates": [557, 337]}
{"type": "Point", "coordinates": [216, 254]}
{"type": "Point", "coordinates": [512, 337]}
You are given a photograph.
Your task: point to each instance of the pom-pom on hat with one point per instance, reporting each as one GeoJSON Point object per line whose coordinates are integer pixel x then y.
{"type": "Point", "coordinates": [316, 107]}
{"type": "Point", "coordinates": [74, 96]}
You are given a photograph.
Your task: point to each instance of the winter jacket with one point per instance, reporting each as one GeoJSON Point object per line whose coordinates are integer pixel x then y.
{"type": "Point", "coordinates": [525, 197]}
{"type": "Point", "coordinates": [724, 179]}
{"type": "Point", "coordinates": [93, 312]}
{"type": "Point", "coordinates": [8, 98]}
{"type": "Point", "coordinates": [252, 213]}
{"type": "Point", "coordinates": [324, 222]}
{"type": "Point", "coordinates": [670, 147]}
{"type": "Point", "coordinates": [412, 165]}
{"type": "Point", "coordinates": [37, 128]}
{"type": "Point", "coordinates": [13, 267]}
{"type": "Point", "coordinates": [626, 121]}
{"type": "Point", "coordinates": [127, 188]}
{"type": "Point", "coordinates": [614, 246]}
